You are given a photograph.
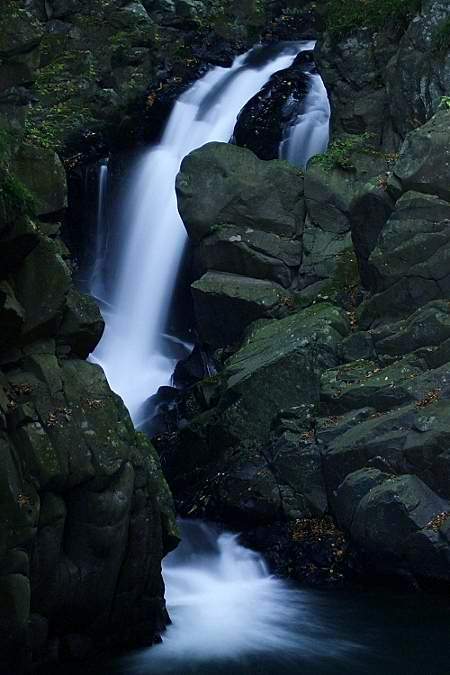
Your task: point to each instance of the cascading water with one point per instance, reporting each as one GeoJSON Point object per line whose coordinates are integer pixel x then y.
{"type": "Point", "coordinates": [309, 133]}
{"type": "Point", "coordinates": [221, 597]}
{"type": "Point", "coordinates": [226, 607]}
{"type": "Point", "coordinates": [132, 350]}
{"type": "Point", "coordinates": [96, 282]}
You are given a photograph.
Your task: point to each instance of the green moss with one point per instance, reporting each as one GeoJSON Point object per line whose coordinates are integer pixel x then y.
{"type": "Point", "coordinates": [61, 88]}
{"type": "Point", "coordinates": [345, 16]}
{"type": "Point", "coordinates": [15, 199]}
{"type": "Point", "coordinates": [339, 154]}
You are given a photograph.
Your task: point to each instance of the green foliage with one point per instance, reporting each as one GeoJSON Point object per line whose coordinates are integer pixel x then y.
{"type": "Point", "coordinates": [60, 87]}
{"type": "Point", "coordinates": [339, 154]}
{"type": "Point", "coordinates": [445, 103]}
{"type": "Point", "coordinates": [15, 198]}
{"type": "Point", "coordinates": [441, 38]}
{"type": "Point", "coordinates": [345, 16]}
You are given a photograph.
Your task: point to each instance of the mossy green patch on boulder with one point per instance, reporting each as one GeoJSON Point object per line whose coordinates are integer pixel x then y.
{"type": "Point", "coordinates": [44, 176]}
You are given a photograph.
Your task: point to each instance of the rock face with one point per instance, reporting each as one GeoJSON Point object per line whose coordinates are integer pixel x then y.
{"type": "Point", "coordinates": [333, 413]}
{"type": "Point", "coordinates": [86, 513]}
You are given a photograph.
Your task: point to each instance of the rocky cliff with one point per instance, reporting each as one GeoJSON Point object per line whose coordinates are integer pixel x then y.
{"type": "Point", "coordinates": [323, 298]}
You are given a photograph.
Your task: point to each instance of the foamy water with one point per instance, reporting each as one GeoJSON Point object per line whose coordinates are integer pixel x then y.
{"type": "Point", "coordinates": [226, 606]}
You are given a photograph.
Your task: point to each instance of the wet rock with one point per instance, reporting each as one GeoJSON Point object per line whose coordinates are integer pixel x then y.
{"type": "Point", "coordinates": [221, 184]}
{"type": "Point", "coordinates": [249, 252]}
{"type": "Point", "coordinates": [262, 121]}
{"type": "Point", "coordinates": [390, 519]}
{"type": "Point", "coordinates": [225, 304]}
{"type": "Point", "coordinates": [410, 259]}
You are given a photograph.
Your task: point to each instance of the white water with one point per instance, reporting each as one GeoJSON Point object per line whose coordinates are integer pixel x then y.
{"type": "Point", "coordinates": [131, 351]}
{"type": "Point", "coordinates": [96, 284]}
{"type": "Point", "coordinates": [222, 600]}
{"type": "Point", "coordinates": [225, 605]}
{"type": "Point", "coordinates": [309, 135]}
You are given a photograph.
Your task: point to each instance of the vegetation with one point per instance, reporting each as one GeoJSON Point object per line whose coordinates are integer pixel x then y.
{"type": "Point", "coordinates": [15, 198]}
{"type": "Point", "coordinates": [60, 87]}
{"type": "Point", "coordinates": [445, 103]}
{"type": "Point", "coordinates": [339, 154]}
{"type": "Point", "coordinates": [344, 16]}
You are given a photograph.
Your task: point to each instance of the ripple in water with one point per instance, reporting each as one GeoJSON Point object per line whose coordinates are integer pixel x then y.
{"type": "Point", "coordinates": [226, 606]}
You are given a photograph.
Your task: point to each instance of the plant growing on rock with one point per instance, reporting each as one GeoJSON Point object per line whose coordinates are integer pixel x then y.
{"type": "Point", "coordinates": [339, 154]}
{"type": "Point", "coordinates": [345, 16]}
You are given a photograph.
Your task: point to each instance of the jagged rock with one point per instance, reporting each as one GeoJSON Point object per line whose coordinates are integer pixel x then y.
{"type": "Point", "coordinates": [409, 439]}
{"type": "Point", "coordinates": [417, 75]}
{"type": "Point", "coordinates": [234, 461]}
{"type": "Point", "coordinates": [427, 330]}
{"type": "Point", "coordinates": [364, 383]}
{"type": "Point", "coordinates": [352, 70]}
{"type": "Point", "coordinates": [369, 212]}
{"type": "Point", "coordinates": [329, 195]}
{"type": "Point", "coordinates": [410, 260]}
{"type": "Point", "coordinates": [20, 32]}
{"type": "Point", "coordinates": [345, 500]}
{"type": "Point", "coordinates": [221, 184]}
{"type": "Point", "coordinates": [225, 304]}
{"type": "Point", "coordinates": [18, 240]}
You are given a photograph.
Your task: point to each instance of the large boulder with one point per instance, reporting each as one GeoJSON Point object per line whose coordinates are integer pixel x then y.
{"type": "Point", "coordinates": [82, 493]}
{"type": "Point", "coordinates": [221, 184]}
{"type": "Point", "coordinates": [394, 525]}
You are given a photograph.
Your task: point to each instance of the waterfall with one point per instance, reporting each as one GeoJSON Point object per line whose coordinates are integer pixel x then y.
{"type": "Point", "coordinates": [133, 351]}
{"type": "Point", "coordinates": [222, 600]}
{"type": "Point", "coordinates": [308, 135]}
{"type": "Point", "coordinates": [96, 283]}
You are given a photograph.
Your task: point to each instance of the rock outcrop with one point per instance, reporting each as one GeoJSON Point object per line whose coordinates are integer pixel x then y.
{"type": "Point", "coordinates": [340, 408]}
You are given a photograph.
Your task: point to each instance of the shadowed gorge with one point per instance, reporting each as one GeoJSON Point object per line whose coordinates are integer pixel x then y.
{"type": "Point", "coordinates": [224, 337]}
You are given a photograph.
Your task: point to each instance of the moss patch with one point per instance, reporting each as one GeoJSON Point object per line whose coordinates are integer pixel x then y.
{"type": "Point", "coordinates": [346, 16]}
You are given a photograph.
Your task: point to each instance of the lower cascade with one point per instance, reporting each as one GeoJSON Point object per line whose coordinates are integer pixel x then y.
{"type": "Point", "coordinates": [225, 606]}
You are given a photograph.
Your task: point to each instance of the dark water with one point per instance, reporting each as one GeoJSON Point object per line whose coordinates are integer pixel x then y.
{"type": "Point", "coordinates": [381, 634]}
